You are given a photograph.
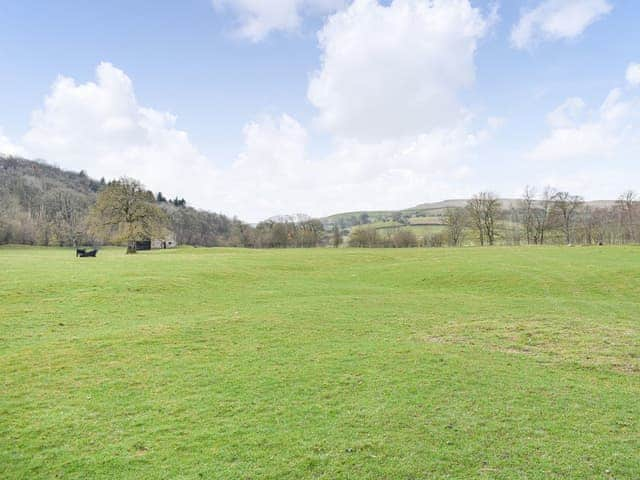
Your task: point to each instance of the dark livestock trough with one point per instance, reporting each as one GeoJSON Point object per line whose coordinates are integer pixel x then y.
{"type": "Point", "coordinates": [83, 252]}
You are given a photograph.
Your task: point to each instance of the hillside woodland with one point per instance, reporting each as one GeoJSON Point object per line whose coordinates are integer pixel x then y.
{"type": "Point", "coordinates": [41, 204]}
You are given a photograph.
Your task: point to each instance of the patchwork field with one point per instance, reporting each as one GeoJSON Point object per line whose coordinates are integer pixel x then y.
{"type": "Point", "coordinates": [497, 363]}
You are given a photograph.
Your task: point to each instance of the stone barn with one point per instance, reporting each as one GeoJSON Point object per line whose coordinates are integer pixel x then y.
{"type": "Point", "coordinates": [169, 241]}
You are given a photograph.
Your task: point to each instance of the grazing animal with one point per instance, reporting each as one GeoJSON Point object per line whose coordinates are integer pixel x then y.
{"type": "Point", "coordinates": [84, 253]}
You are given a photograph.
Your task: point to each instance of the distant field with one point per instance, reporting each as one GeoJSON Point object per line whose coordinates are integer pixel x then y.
{"type": "Point", "coordinates": [496, 363]}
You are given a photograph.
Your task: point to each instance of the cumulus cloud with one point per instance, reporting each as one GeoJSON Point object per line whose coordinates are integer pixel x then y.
{"type": "Point", "coordinates": [633, 74]}
{"type": "Point", "coordinates": [567, 114]}
{"type": "Point", "coordinates": [557, 19]}
{"type": "Point", "coordinates": [100, 127]}
{"type": "Point", "coordinates": [388, 71]}
{"type": "Point", "coordinates": [275, 172]}
{"type": "Point", "coordinates": [258, 18]}
{"type": "Point", "coordinates": [8, 148]}
{"type": "Point", "coordinates": [387, 90]}
{"type": "Point", "coordinates": [581, 135]}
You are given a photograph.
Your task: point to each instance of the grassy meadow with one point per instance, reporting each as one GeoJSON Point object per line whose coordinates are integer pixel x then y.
{"type": "Point", "coordinates": [496, 363]}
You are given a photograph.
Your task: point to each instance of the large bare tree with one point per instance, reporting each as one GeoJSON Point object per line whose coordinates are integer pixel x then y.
{"type": "Point", "coordinates": [484, 209]}
{"type": "Point", "coordinates": [567, 208]}
{"type": "Point", "coordinates": [542, 215]}
{"type": "Point", "coordinates": [475, 209]}
{"type": "Point", "coordinates": [126, 212]}
{"type": "Point", "coordinates": [528, 205]}
{"type": "Point", "coordinates": [628, 205]}
{"type": "Point", "coordinates": [455, 219]}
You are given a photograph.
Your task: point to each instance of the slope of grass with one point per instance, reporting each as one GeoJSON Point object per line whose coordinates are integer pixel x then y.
{"type": "Point", "coordinates": [362, 364]}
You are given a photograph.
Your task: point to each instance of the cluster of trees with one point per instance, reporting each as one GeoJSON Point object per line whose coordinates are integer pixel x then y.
{"type": "Point", "coordinates": [125, 212]}
{"type": "Point", "coordinates": [177, 202]}
{"type": "Point", "coordinates": [370, 236]}
{"type": "Point", "coordinates": [549, 217]}
{"type": "Point", "coordinates": [272, 234]}
{"type": "Point", "coordinates": [44, 205]}
{"type": "Point", "coordinates": [41, 204]}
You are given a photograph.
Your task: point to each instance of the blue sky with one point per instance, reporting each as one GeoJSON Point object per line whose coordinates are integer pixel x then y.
{"type": "Point", "coordinates": [270, 117]}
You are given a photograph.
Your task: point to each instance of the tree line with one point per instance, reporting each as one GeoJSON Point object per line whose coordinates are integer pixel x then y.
{"type": "Point", "coordinates": [41, 204]}
{"type": "Point", "coordinates": [553, 217]}
{"type": "Point", "coordinates": [44, 205]}
{"type": "Point", "coordinates": [548, 216]}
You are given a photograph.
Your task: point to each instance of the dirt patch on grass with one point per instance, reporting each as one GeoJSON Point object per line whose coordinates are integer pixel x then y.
{"type": "Point", "coordinates": [551, 340]}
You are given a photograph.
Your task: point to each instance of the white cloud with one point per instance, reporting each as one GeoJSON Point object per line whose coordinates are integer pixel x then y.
{"type": "Point", "coordinates": [100, 127]}
{"type": "Point", "coordinates": [567, 114]}
{"type": "Point", "coordinates": [610, 132]}
{"type": "Point", "coordinates": [557, 19]}
{"type": "Point", "coordinates": [7, 147]}
{"type": "Point", "coordinates": [633, 74]}
{"type": "Point", "coordinates": [276, 174]}
{"type": "Point", "coordinates": [258, 18]}
{"type": "Point", "coordinates": [395, 70]}
{"type": "Point", "coordinates": [387, 90]}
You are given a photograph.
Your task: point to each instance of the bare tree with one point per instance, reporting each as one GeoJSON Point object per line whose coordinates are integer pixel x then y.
{"type": "Point", "coordinates": [542, 215]}
{"type": "Point", "coordinates": [336, 236]}
{"type": "Point", "coordinates": [455, 219]}
{"type": "Point", "coordinates": [511, 228]}
{"type": "Point", "coordinates": [567, 208]}
{"type": "Point", "coordinates": [528, 205]}
{"type": "Point", "coordinates": [364, 237]}
{"type": "Point", "coordinates": [404, 239]}
{"type": "Point", "coordinates": [484, 209]}
{"type": "Point", "coordinates": [628, 206]}
{"type": "Point", "coordinates": [475, 210]}
{"type": "Point", "coordinates": [125, 211]}
{"type": "Point", "coordinates": [491, 213]}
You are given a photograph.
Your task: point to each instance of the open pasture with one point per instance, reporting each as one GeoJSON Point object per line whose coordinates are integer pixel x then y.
{"type": "Point", "coordinates": [495, 363]}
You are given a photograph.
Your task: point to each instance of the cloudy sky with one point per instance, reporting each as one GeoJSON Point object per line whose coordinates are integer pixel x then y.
{"type": "Point", "coordinates": [264, 107]}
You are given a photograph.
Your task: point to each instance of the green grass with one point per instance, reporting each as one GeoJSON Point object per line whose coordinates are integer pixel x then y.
{"type": "Point", "coordinates": [503, 363]}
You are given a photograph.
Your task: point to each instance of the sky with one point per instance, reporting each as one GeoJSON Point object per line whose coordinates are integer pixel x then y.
{"type": "Point", "coordinates": [258, 108]}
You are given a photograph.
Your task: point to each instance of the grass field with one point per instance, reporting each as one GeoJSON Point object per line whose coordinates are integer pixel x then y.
{"type": "Point", "coordinates": [503, 363]}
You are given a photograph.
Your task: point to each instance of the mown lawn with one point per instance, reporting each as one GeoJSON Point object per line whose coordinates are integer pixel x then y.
{"type": "Point", "coordinates": [503, 363]}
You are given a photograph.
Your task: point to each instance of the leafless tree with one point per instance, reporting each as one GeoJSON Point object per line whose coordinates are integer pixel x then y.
{"type": "Point", "coordinates": [336, 236]}
{"type": "Point", "coordinates": [484, 209]}
{"type": "Point", "coordinates": [455, 219]}
{"type": "Point", "coordinates": [476, 217]}
{"type": "Point", "coordinates": [528, 205]}
{"type": "Point", "coordinates": [567, 208]}
{"type": "Point", "coordinates": [628, 205]}
{"type": "Point", "coordinates": [542, 215]}
{"type": "Point", "coordinates": [125, 211]}
{"type": "Point", "coordinates": [404, 239]}
{"type": "Point", "coordinates": [364, 237]}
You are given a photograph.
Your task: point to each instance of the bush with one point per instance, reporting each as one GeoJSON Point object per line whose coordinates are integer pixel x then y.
{"type": "Point", "coordinates": [435, 240]}
{"type": "Point", "coordinates": [364, 237]}
{"type": "Point", "coordinates": [404, 239]}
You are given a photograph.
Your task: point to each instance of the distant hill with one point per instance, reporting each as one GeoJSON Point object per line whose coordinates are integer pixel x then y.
{"type": "Point", "coordinates": [18, 175]}
{"type": "Point", "coordinates": [425, 214]}
{"type": "Point", "coordinates": [293, 218]}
